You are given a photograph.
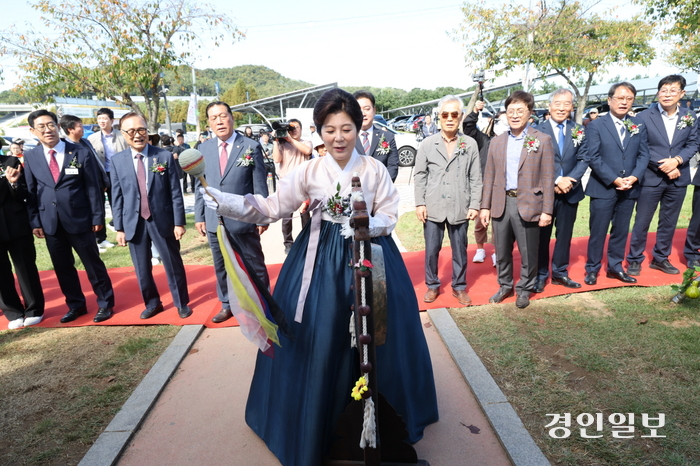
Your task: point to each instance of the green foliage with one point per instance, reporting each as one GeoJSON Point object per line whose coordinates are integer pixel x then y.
{"type": "Point", "coordinates": [566, 38]}
{"type": "Point", "coordinates": [12, 96]}
{"type": "Point", "coordinates": [112, 48]}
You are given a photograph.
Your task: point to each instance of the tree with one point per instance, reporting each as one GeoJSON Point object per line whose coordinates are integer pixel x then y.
{"type": "Point", "coordinates": [567, 39]}
{"type": "Point", "coordinates": [113, 48]}
{"type": "Point", "coordinates": [680, 20]}
{"type": "Point", "coordinates": [237, 95]}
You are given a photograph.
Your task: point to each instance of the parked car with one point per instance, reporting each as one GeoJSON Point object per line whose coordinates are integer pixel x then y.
{"type": "Point", "coordinates": [29, 143]}
{"type": "Point", "coordinates": [381, 120]}
{"type": "Point", "coordinates": [406, 144]}
{"type": "Point", "coordinates": [256, 127]}
{"type": "Point", "coordinates": [416, 124]}
{"type": "Point", "coordinates": [399, 123]}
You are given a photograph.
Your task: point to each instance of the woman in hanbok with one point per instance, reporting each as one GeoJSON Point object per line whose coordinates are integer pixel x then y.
{"type": "Point", "coordinates": [297, 396]}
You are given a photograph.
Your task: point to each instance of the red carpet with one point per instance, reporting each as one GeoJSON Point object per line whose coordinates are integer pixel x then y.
{"type": "Point", "coordinates": [481, 284]}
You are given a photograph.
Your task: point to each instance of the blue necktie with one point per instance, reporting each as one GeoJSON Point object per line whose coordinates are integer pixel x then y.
{"type": "Point", "coordinates": [561, 144]}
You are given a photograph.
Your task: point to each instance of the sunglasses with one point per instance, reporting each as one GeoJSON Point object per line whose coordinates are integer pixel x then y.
{"type": "Point", "coordinates": [445, 115]}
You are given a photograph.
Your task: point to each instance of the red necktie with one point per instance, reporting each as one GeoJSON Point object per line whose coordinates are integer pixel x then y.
{"type": "Point", "coordinates": [53, 166]}
{"type": "Point", "coordinates": [141, 176]}
{"type": "Point", "coordinates": [223, 158]}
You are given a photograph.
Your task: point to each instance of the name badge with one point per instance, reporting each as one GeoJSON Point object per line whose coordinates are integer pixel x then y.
{"type": "Point", "coordinates": [71, 171]}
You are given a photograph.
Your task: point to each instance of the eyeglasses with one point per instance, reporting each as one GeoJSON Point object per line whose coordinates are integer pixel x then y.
{"type": "Point", "coordinates": [446, 115]}
{"type": "Point", "coordinates": [132, 132]}
{"type": "Point", "coordinates": [520, 112]}
{"type": "Point", "coordinates": [623, 99]}
{"type": "Point", "coordinates": [674, 91]}
{"type": "Point", "coordinates": [559, 105]}
{"type": "Point", "coordinates": [42, 127]}
{"type": "Point", "coordinates": [222, 117]}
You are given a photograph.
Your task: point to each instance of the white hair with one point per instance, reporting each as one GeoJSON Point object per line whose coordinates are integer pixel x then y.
{"type": "Point", "coordinates": [559, 92]}
{"type": "Point", "coordinates": [450, 98]}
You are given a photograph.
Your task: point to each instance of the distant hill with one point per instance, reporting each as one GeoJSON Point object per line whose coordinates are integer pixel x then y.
{"type": "Point", "coordinates": [267, 82]}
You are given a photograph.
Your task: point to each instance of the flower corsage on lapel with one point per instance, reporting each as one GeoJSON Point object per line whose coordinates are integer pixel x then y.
{"type": "Point", "coordinates": [631, 126]}
{"type": "Point", "coordinates": [577, 135]}
{"type": "Point", "coordinates": [337, 207]}
{"type": "Point", "coordinates": [74, 163]}
{"type": "Point", "coordinates": [159, 168]}
{"type": "Point", "coordinates": [685, 121]}
{"type": "Point", "coordinates": [531, 143]}
{"type": "Point", "coordinates": [461, 146]}
{"type": "Point", "coordinates": [246, 159]}
{"type": "Point", "coordinates": [383, 147]}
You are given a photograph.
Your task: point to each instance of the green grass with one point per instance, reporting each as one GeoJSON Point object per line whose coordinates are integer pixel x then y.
{"type": "Point", "coordinates": [626, 350]}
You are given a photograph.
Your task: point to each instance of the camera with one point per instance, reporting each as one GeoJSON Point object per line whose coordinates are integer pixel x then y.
{"type": "Point", "coordinates": [482, 76]}
{"type": "Point", "coordinates": [281, 129]}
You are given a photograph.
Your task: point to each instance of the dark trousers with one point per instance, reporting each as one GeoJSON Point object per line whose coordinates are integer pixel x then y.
{"type": "Point", "coordinates": [251, 249]}
{"type": "Point", "coordinates": [184, 182]}
{"type": "Point", "coordinates": [617, 210]}
{"type": "Point", "coordinates": [24, 260]}
{"type": "Point", "coordinates": [671, 198]}
{"type": "Point", "coordinates": [692, 240]}
{"type": "Point", "coordinates": [169, 250]}
{"type": "Point", "coordinates": [102, 234]}
{"type": "Point", "coordinates": [508, 229]}
{"type": "Point", "coordinates": [433, 233]}
{"type": "Point", "coordinates": [287, 227]}
{"type": "Point", "coordinates": [60, 246]}
{"type": "Point", "coordinates": [563, 219]}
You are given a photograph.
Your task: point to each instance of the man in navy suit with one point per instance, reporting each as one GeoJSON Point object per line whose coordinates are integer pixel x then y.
{"type": "Point", "coordinates": [228, 170]}
{"type": "Point", "coordinates": [148, 209]}
{"type": "Point", "coordinates": [673, 141]}
{"type": "Point", "coordinates": [569, 168]}
{"type": "Point", "coordinates": [618, 154]}
{"type": "Point", "coordinates": [66, 206]}
{"type": "Point", "coordinates": [374, 141]}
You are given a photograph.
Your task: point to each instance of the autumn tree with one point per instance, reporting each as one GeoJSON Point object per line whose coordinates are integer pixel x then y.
{"type": "Point", "coordinates": [114, 49]}
{"type": "Point", "coordinates": [237, 95]}
{"type": "Point", "coordinates": [680, 21]}
{"type": "Point", "coordinates": [566, 38]}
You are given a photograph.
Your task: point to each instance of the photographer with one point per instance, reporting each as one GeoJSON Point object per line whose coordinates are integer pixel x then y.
{"type": "Point", "coordinates": [290, 151]}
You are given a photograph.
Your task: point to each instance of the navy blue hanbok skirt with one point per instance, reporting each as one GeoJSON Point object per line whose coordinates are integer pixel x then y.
{"type": "Point", "coordinates": [297, 397]}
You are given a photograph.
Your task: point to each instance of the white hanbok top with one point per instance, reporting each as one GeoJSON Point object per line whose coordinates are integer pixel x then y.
{"type": "Point", "coordinates": [317, 180]}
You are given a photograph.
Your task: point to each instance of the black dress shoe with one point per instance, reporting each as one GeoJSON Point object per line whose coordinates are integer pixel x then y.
{"type": "Point", "coordinates": [73, 314]}
{"type": "Point", "coordinates": [565, 281]}
{"type": "Point", "coordinates": [523, 300]}
{"type": "Point", "coordinates": [184, 312]}
{"type": "Point", "coordinates": [591, 278]}
{"type": "Point", "coordinates": [150, 312]}
{"type": "Point", "coordinates": [622, 276]}
{"type": "Point", "coordinates": [665, 266]}
{"type": "Point", "coordinates": [103, 314]}
{"type": "Point", "coordinates": [693, 264]}
{"type": "Point", "coordinates": [222, 316]}
{"type": "Point", "coordinates": [539, 285]}
{"type": "Point", "coordinates": [502, 294]}
{"type": "Point", "coordinates": [634, 269]}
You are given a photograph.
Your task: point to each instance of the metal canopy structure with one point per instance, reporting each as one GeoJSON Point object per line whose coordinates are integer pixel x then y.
{"type": "Point", "coordinates": [276, 105]}
{"type": "Point", "coordinates": [427, 106]}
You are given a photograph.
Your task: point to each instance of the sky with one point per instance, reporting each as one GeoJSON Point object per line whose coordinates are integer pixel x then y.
{"type": "Point", "coordinates": [404, 44]}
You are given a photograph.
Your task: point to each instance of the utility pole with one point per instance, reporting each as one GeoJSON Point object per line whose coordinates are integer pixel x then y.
{"type": "Point", "coordinates": [196, 103]}
{"type": "Point", "coordinates": [164, 90]}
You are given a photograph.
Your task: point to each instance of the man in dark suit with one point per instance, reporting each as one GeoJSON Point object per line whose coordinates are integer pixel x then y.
{"type": "Point", "coordinates": [16, 241]}
{"type": "Point", "coordinates": [673, 141]}
{"type": "Point", "coordinates": [148, 209]}
{"type": "Point", "coordinates": [691, 251]}
{"type": "Point", "coordinates": [65, 205]}
{"type": "Point", "coordinates": [519, 195]}
{"type": "Point", "coordinates": [72, 126]}
{"type": "Point", "coordinates": [228, 170]}
{"type": "Point", "coordinates": [373, 141]}
{"type": "Point", "coordinates": [618, 154]}
{"type": "Point", "coordinates": [569, 168]}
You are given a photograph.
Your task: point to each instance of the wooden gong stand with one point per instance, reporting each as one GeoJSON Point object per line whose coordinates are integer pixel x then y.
{"type": "Point", "coordinates": [391, 449]}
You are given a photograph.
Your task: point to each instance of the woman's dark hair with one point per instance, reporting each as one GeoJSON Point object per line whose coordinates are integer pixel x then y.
{"type": "Point", "coordinates": [335, 101]}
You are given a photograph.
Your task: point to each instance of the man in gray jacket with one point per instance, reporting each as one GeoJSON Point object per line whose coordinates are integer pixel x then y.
{"type": "Point", "coordinates": [448, 193]}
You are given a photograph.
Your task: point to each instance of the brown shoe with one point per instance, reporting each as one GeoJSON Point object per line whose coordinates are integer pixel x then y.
{"type": "Point", "coordinates": [431, 295]}
{"type": "Point", "coordinates": [222, 316]}
{"type": "Point", "coordinates": [462, 297]}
